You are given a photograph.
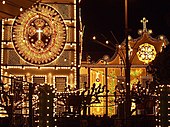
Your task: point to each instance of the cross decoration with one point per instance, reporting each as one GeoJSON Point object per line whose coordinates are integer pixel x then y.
{"type": "Point", "coordinates": [39, 31]}
{"type": "Point", "coordinates": [144, 21]}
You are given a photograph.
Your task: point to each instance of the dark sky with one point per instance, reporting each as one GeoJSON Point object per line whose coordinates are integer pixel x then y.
{"type": "Point", "coordinates": [104, 17]}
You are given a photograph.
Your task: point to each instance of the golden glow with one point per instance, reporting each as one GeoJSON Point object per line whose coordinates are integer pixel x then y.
{"type": "Point", "coordinates": [94, 37]}
{"type": "Point", "coordinates": [21, 9]}
{"type": "Point", "coordinates": [146, 53]}
{"type": "Point", "coordinates": [3, 2]}
{"type": "Point", "coordinates": [161, 37]}
{"type": "Point", "coordinates": [140, 32]}
{"type": "Point", "coordinates": [71, 80]}
{"type": "Point", "coordinates": [144, 21]}
{"type": "Point", "coordinates": [150, 31]}
{"type": "Point", "coordinates": [129, 37]}
{"type": "Point", "coordinates": [39, 34]}
{"type": "Point", "coordinates": [107, 42]}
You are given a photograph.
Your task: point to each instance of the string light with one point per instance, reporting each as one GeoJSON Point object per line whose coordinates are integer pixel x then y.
{"type": "Point", "coordinates": [94, 37]}
{"type": "Point", "coordinates": [3, 2]}
{"type": "Point", "coordinates": [21, 9]}
{"type": "Point", "coordinates": [107, 42]}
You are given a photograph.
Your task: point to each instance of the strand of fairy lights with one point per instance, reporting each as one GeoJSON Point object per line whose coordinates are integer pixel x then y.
{"type": "Point", "coordinates": [13, 4]}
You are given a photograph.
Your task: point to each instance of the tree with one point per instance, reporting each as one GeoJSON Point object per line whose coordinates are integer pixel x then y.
{"type": "Point", "coordinates": [143, 97]}
{"type": "Point", "coordinates": [160, 67]}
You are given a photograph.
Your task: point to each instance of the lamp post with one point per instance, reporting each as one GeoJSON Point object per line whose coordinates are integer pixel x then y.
{"type": "Point", "coordinates": [77, 45]}
{"type": "Point", "coordinates": [106, 59]}
{"type": "Point", "coordinates": [127, 69]}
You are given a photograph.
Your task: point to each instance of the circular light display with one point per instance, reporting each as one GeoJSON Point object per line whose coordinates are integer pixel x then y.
{"type": "Point", "coordinates": [39, 34]}
{"type": "Point", "coordinates": [146, 53]}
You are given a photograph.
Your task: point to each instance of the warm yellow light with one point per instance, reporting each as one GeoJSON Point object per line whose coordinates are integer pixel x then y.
{"type": "Point", "coordinates": [146, 53]}
{"type": "Point", "coordinates": [161, 37]}
{"type": "Point", "coordinates": [129, 37]}
{"type": "Point", "coordinates": [21, 9]}
{"type": "Point", "coordinates": [94, 37]}
{"type": "Point", "coordinates": [107, 42]}
{"type": "Point", "coordinates": [32, 25]}
{"type": "Point", "coordinates": [150, 31]}
{"type": "Point", "coordinates": [3, 2]}
{"type": "Point", "coordinates": [140, 32]}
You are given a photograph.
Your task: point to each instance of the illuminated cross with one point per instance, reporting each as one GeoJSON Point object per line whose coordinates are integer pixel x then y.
{"type": "Point", "coordinates": [144, 21]}
{"type": "Point", "coordinates": [39, 31]}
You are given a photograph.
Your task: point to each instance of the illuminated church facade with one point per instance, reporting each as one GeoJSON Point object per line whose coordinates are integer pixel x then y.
{"type": "Point", "coordinates": [40, 45]}
{"type": "Point", "coordinates": [43, 46]}
{"type": "Point", "coordinates": [111, 71]}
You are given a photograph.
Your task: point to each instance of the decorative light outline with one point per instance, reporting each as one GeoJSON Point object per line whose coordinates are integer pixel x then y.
{"type": "Point", "coordinates": [58, 37]}
{"type": "Point", "coordinates": [146, 53]}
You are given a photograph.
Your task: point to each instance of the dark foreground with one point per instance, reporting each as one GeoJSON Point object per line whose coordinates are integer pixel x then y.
{"type": "Point", "coordinates": [92, 121]}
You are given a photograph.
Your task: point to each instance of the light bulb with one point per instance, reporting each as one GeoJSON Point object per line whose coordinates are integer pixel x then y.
{"type": "Point", "coordinates": [21, 9]}
{"type": "Point", "coordinates": [3, 2]}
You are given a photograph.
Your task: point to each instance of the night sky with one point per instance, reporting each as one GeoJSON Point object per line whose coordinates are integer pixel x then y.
{"type": "Point", "coordinates": [105, 19]}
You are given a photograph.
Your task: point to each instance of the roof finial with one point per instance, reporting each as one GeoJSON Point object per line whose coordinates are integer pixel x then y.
{"type": "Point", "coordinates": [144, 21]}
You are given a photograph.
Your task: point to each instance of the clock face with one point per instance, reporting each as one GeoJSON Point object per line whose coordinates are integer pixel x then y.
{"type": "Point", "coordinates": [39, 34]}
{"type": "Point", "coordinates": [146, 53]}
